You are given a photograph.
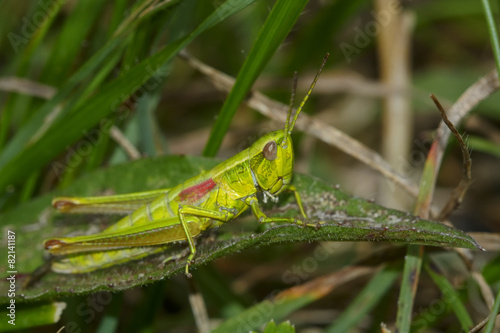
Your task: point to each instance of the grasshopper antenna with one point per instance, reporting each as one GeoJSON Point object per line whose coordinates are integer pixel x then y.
{"type": "Point", "coordinates": [289, 128]}
{"type": "Point", "coordinates": [292, 101]}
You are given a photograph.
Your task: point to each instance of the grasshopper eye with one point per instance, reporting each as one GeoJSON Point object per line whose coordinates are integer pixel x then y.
{"type": "Point", "coordinates": [270, 151]}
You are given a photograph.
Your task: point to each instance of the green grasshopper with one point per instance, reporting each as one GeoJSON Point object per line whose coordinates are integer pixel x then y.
{"type": "Point", "coordinates": [181, 213]}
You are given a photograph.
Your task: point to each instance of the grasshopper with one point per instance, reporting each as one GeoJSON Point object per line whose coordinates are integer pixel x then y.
{"type": "Point", "coordinates": [158, 218]}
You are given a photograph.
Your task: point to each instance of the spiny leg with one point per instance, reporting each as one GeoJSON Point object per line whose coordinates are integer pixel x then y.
{"type": "Point", "coordinates": [293, 189]}
{"type": "Point", "coordinates": [262, 218]}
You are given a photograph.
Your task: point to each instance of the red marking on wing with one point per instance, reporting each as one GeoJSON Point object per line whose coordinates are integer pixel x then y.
{"type": "Point", "coordinates": [196, 192]}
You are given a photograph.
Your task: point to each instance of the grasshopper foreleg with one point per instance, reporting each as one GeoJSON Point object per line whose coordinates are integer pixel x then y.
{"type": "Point", "coordinates": [262, 218]}
{"type": "Point", "coordinates": [293, 189]}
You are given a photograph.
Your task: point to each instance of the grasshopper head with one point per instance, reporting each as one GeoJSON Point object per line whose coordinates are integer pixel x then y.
{"type": "Point", "coordinates": [271, 157]}
{"type": "Point", "coordinates": [271, 162]}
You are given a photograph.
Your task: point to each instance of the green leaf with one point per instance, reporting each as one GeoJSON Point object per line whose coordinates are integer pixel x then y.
{"type": "Point", "coordinates": [346, 218]}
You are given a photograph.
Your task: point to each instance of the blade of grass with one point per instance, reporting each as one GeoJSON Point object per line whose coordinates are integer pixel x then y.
{"type": "Point", "coordinates": [48, 113]}
{"type": "Point", "coordinates": [150, 133]}
{"type": "Point", "coordinates": [21, 139]}
{"type": "Point", "coordinates": [490, 326]}
{"type": "Point", "coordinates": [278, 24]}
{"type": "Point", "coordinates": [451, 296]}
{"type": "Point", "coordinates": [23, 67]}
{"type": "Point", "coordinates": [409, 282]}
{"type": "Point", "coordinates": [289, 300]}
{"type": "Point", "coordinates": [26, 316]}
{"type": "Point", "coordinates": [64, 52]}
{"type": "Point", "coordinates": [108, 324]}
{"type": "Point", "coordinates": [315, 39]}
{"type": "Point", "coordinates": [75, 29]}
{"type": "Point", "coordinates": [493, 31]}
{"type": "Point", "coordinates": [371, 294]}
{"type": "Point", "coordinates": [34, 41]}
{"type": "Point", "coordinates": [119, 7]}
{"type": "Point", "coordinates": [40, 152]}
{"type": "Point", "coordinates": [413, 259]}
{"type": "Point", "coordinates": [479, 144]}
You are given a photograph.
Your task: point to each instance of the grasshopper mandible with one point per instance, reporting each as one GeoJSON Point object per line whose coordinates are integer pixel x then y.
{"type": "Point", "coordinates": [157, 218]}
